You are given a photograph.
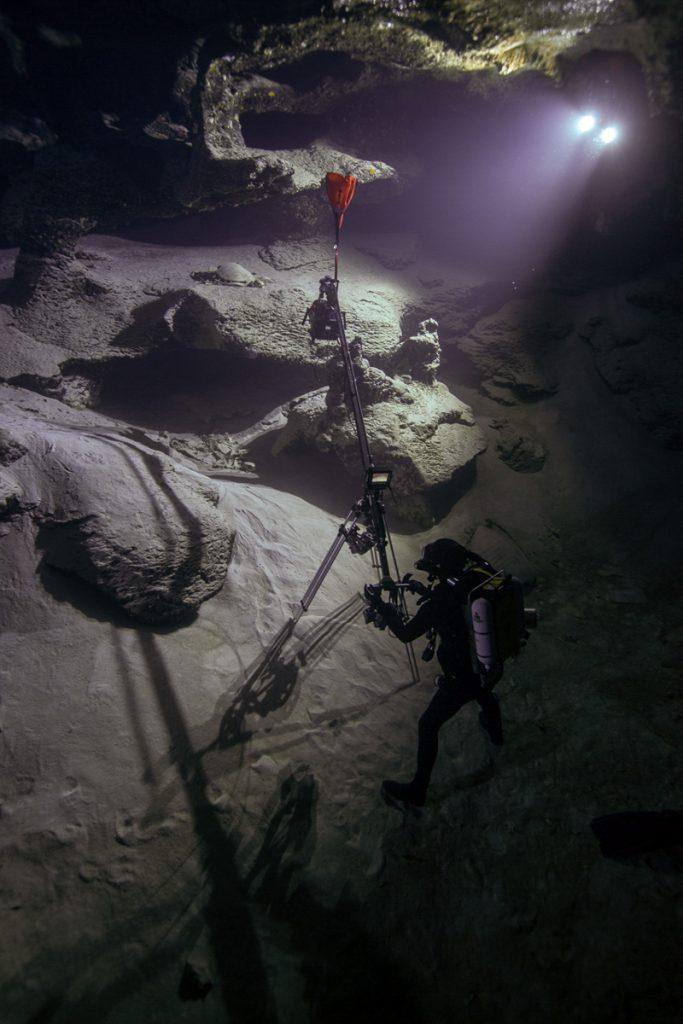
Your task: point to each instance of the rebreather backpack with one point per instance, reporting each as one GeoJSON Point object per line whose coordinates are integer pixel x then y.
{"type": "Point", "coordinates": [498, 622]}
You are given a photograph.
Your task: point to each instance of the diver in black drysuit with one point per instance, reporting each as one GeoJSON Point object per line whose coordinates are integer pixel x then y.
{"type": "Point", "coordinates": [442, 611]}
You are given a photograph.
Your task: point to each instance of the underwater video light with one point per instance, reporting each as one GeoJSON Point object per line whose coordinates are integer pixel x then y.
{"type": "Point", "coordinates": [609, 134]}
{"type": "Point", "coordinates": [378, 479]}
{"type": "Point", "coordinates": [586, 123]}
{"type": "Point", "coordinates": [591, 125]}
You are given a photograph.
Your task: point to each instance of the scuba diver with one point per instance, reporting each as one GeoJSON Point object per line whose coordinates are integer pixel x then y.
{"type": "Point", "coordinates": [441, 616]}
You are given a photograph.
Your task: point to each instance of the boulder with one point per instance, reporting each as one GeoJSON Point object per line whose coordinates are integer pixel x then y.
{"type": "Point", "coordinates": [212, 451]}
{"type": "Point", "coordinates": [122, 517]}
{"type": "Point", "coordinates": [22, 357]}
{"type": "Point", "coordinates": [426, 435]}
{"type": "Point", "coordinates": [420, 355]}
{"type": "Point", "coordinates": [267, 322]}
{"type": "Point", "coordinates": [519, 451]}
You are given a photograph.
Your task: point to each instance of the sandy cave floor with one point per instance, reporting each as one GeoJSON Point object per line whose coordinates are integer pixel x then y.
{"type": "Point", "coordinates": [158, 776]}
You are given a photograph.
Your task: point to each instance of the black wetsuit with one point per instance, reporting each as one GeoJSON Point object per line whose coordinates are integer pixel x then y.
{"type": "Point", "coordinates": [443, 612]}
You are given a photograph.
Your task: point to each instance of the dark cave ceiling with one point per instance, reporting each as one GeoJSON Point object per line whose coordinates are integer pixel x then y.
{"type": "Point", "coordinates": [121, 113]}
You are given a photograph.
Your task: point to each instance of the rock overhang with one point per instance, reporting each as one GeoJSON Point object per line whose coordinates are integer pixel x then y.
{"type": "Point", "coordinates": [186, 136]}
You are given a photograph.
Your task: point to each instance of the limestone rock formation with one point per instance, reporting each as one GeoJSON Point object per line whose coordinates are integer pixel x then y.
{"type": "Point", "coordinates": [420, 355]}
{"type": "Point", "coordinates": [458, 307]}
{"type": "Point", "coordinates": [520, 452]}
{"type": "Point", "coordinates": [510, 350]}
{"type": "Point", "coordinates": [166, 785]}
{"type": "Point", "coordinates": [23, 359]}
{"type": "Point", "coordinates": [120, 516]}
{"type": "Point", "coordinates": [117, 299]}
{"type": "Point", "coordinates": [213, 451]}
{"type": "Point", "coordinates": [637, 351]}
{"type": "Point", "coordinates": [423, 432]}
{"type": "Point", "coordinates": [207, 116]}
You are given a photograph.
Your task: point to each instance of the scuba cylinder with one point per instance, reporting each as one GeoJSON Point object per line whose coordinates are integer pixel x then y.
{"type": "Point", "coordinates": [483, 631]}
{"type": "Point", "coordinates": [497, 620]}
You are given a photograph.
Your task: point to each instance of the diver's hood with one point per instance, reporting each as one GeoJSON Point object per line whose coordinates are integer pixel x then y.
{"type": "Point", "coordinates": [443, 557]}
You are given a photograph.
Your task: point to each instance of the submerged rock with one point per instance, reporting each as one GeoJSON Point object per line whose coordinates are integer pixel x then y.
{"type": "Point", "coordinates": [215, 451]}
{"type": "Point", "coordinates": [510, 350]}
{"type": "Point", "coordinates": [519, 451]}
{"type": "Point", "coordinates": [522, 454]}
{"type": "Point", "coordinates": [423, 432]}
{"type": "Point", "coordinates": [457, 308]}
{"type": "Point", "coordinates": [637, 351]}
{"type": "Point", "coordinates": [23, 358]}
{"type": "Point", "coordinates": [153, 299]}
{"type": "Point", "coordinates": [420, 355]}
{"type": "Point", "coordinates": [122, 517]}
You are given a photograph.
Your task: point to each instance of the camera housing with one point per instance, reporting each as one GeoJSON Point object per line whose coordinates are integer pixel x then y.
{"type": "Point", "coordinates": [323, 314]}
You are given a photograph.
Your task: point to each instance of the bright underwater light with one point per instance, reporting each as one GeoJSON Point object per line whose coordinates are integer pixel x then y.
{"type": "Point", "coordinates": [593, 126]}
{"type": "Point", "coordinates": [586, 123]}
{"type": "Point", "coordinates": [609, 134]}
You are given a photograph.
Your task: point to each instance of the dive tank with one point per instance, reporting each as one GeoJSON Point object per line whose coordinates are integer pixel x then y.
{"type": "Point", "coordinates": [483, 630]}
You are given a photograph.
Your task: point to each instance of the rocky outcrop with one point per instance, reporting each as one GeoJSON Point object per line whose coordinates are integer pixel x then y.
{"type": "Point", "coordinates": [120, 516]}
{"type": "Point", "coordinates": [420, 355]}
{"type": "Point", "coordinates": [519, 451]}
{"type": "Point", "coordinates": [195, 814]}
{"type": "Point", "coordinates": [457, 308]}
{"type": "Point", "coordinates": [250, 127]}
{"type": "Point", "coordinates": [66, 299]}
{"type": "Point", "coordinates": [510, 350]}
{"type": "Point", "coordinates": [213, 451]}
{"type": "Point", "coordinates": [118, 299]}
{"type": "Point", "coordinates": [24, 359]}
{"type": "Point", "coordinates": [208, 115]}
{"type": "Point", "coordinates": [637, 350]}
{"type": "Point", "coordinates": [420, 430]}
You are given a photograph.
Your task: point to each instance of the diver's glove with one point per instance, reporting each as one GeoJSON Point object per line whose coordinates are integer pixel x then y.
{"type": "Point", "coordinates": [372, 593]}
